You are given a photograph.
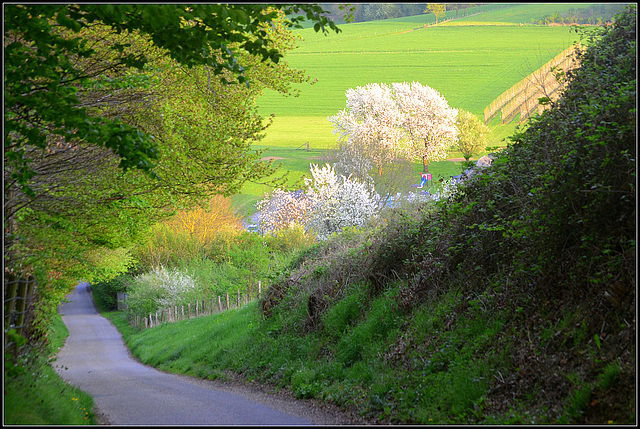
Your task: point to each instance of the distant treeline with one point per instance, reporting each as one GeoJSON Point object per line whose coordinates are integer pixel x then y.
{"type": "Point", "coordinates": [376, 11]}
{"type": "Point", "coordinates": [594, 14]}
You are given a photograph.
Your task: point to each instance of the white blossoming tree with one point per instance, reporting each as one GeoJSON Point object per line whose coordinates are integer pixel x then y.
{"type": "Point", "coordinates": [283, 209]}
{"type": "Point", "coordinates": [331, 202]}
{"type": "Point", "coordinates": [337, 202]}
{"type": "Point", "coordinates": [382, 123]}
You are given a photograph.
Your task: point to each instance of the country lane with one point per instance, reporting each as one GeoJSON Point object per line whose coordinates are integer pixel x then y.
{"type": "Point", "coordinates": [126, 392]}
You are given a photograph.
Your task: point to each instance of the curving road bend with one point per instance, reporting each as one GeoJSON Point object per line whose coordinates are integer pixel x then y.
{"type": "Point", "coordinates": [126, 392]}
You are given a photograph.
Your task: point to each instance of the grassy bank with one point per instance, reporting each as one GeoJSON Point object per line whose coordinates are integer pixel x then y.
{"type": "Point", "coordinates": [34, 393]}
{"type": "Point", "coordinates": [346, 364]}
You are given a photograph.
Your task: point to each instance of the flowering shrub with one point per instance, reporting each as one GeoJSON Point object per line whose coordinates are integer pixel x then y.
{"type": "Point", "coordinates": [282, 210]}
{"type": "Point", "coordinates": [331, 203]}
{"type": "Point", "coordinates": [159, 288]}
{"type": "Point", "coordinates": [447, 189]}
{"type": "Point", "coordinates": [338, 202]}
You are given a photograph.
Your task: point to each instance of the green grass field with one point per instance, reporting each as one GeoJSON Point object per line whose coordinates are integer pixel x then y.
{"type": "Point", "coordinates": [469, 65]}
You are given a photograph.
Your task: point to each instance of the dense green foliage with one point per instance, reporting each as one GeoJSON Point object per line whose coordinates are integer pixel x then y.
{"type": "Point", "coordinates": [558, 13]}
{"type": "Point", "coordinates": [512, 303]}
{"type": "Point", "coordinates": [110, 125]}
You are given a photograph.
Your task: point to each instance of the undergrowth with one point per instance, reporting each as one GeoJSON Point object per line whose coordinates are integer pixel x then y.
{"type": "Point", "coordinates": [34, 393]}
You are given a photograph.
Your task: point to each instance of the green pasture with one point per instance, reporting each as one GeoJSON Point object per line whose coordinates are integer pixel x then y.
{"type": "Point", "coordinates": [469, 65]}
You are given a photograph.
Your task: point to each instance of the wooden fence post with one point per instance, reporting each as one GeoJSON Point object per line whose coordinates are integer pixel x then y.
{"type": "Point", "coordinates": [12, 286]}
{"type": "Point", "coordinates": [227, 300]}
{"type": "Point", "coordinates": [18, 293]}
{"type": "Point", "coordinates": [219, 303]}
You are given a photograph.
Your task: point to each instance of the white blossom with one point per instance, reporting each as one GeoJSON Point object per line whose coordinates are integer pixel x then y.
{"type": "Point", "coordinates": [382, 123]}
{"type": "Point", "coordinates": [337, 202]}
{"type": "Point", "coordinates": [283, 209]}
{"type": "Point", "coordinates": [331, 202]}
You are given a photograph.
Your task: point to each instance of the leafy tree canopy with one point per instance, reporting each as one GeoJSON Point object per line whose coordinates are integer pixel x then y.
{"type": "Point", "coordinates": [473, 134]}
{"type": "Point", "coordinates": [117, 114]}
{"type": "Point", "coordinates": [40, 66]}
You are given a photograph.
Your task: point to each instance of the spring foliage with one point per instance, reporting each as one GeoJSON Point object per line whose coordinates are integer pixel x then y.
{"type": "Point", "coordinates": [473, 134]}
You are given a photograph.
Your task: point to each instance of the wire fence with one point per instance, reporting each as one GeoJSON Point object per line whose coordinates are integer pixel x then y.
{"type": "Point", "coordinates": [197, 308]}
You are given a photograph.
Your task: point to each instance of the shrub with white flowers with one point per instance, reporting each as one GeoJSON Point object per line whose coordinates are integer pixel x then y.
{"type": "Point", "coordinates": [159, 288]}
{"type": "Point", "coordinates": [337, 202]}
{"type": "Point", "coordinates": [330, 203]}
{"type": "Point", "coordinates": [283, 209]}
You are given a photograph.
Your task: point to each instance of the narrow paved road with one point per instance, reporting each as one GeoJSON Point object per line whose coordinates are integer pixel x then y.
{"type": "Point", "coordinates": [126, 392]}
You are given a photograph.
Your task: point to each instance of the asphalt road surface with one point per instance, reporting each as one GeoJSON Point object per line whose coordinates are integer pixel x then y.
{"type": "Point", "coordinates": [126, 392]}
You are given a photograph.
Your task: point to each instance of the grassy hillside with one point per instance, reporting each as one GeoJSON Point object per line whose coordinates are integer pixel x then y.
{"type": "Point", "coordinates": [469, 66]}
{"type": "Point", "coordinates": [512, 303]}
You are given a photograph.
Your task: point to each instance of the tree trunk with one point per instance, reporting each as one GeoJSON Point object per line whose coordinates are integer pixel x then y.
{"type": "Point", "coordinates": [425, 164]}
